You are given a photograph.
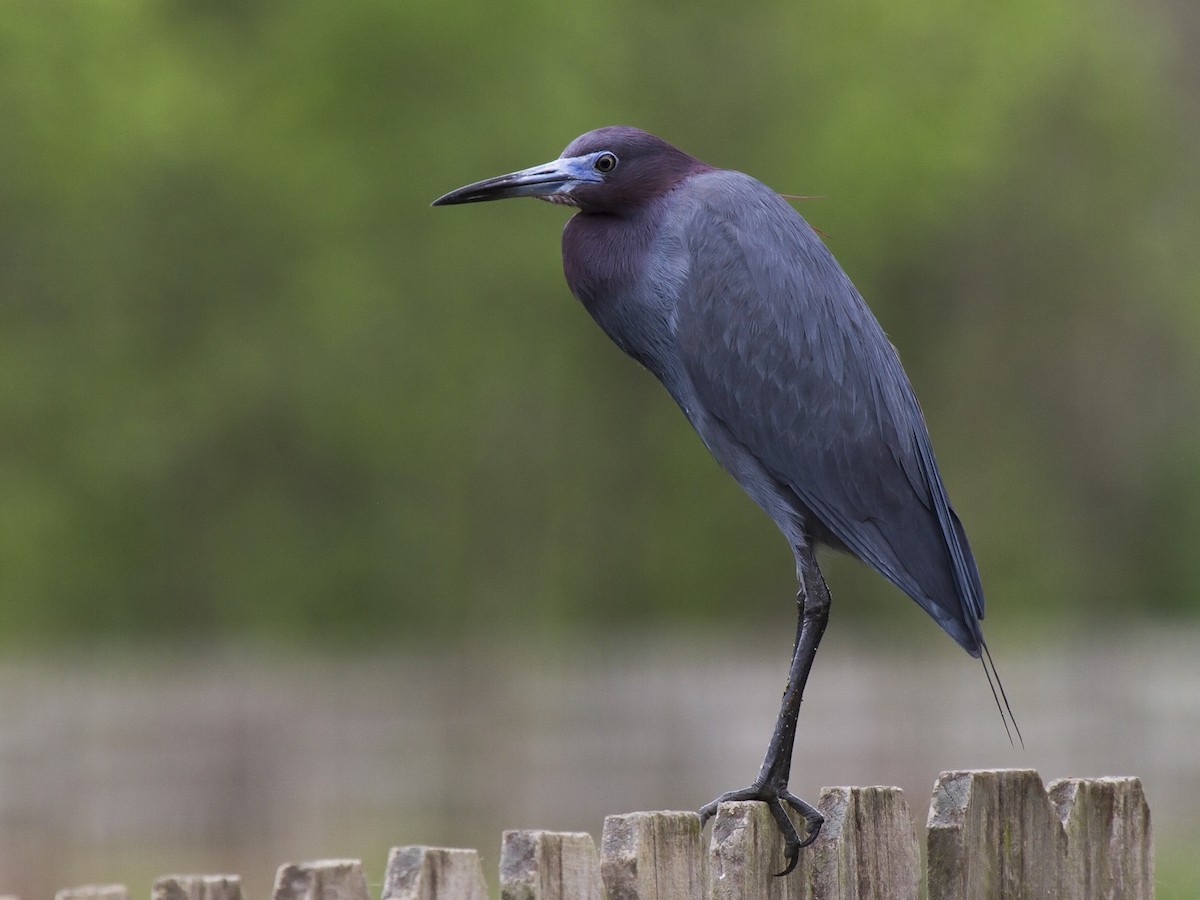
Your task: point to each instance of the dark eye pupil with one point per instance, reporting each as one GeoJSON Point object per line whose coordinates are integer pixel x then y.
{"type": "Point", "coordinates": [606, 162]}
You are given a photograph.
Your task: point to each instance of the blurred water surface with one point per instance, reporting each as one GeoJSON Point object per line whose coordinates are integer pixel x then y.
{"type": "Point", "coordinates": [125, 767]}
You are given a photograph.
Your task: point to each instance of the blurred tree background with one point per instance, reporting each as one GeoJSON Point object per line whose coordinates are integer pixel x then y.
{"type": "Point", "coordinates": [250, 384]}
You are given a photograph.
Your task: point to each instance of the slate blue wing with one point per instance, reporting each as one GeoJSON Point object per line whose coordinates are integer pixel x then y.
{"type": "Point", "coordinates": [785, 355]}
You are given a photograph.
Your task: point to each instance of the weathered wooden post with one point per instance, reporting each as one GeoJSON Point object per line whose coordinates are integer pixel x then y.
{"type": "Point", "coordinates": [745, 853]}
{"type": "Point", "coordinates": [94, 892]}
{"type": "Point", "coordinates": [991, 835]}
{"type": "Point", "coordinates": [653, 856]}
{"type": "Point", "coordinates": [197, 887]}
{"type": "Point", "coordinates": [996, 834]}
{"type": "Point", "coordinates": [547, 865]}
{"type": "Point", "coordinates": [866, 849]}
{"type": "Point", "coordinates": [1110, 843]}
{"type": "Point", "coordinates": [325, 879]}
{"type": "Point", "coordinates": [433, 873]}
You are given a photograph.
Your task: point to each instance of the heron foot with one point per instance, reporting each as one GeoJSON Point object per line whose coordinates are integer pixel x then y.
{"type": "Point", "coordinates": [775, 796]}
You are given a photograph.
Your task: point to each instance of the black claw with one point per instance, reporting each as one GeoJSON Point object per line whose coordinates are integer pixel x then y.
{"type": "Point", "coordinates": [775, 796]}
{"type": "Point", "coordinates": [793, 857]}
{"type": "Point", "coordinates": [813, 820]}
{"type": "Point", "coordinates": [710, 809]}
{"type": "Point", "coordinates": [791, 837]}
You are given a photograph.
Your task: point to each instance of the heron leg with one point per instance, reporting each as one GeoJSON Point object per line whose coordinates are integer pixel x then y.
{"type": "Point", "coordinates": [812, 600]}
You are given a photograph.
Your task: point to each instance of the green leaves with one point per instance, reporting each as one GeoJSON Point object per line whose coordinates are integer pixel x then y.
{"type": "Point", "coordinates": [249, 380]}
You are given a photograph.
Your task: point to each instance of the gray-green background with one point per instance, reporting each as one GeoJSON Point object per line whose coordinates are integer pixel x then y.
{"type": "Point", "coordinates": [253, 388]}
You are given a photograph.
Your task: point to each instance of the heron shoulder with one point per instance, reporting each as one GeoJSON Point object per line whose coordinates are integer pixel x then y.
{"type": "Point", "coordinates": [731, 191]}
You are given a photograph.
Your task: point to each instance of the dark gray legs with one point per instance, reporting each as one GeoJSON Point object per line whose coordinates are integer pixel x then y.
{"type": "Point", "coordinates": [812, 600]}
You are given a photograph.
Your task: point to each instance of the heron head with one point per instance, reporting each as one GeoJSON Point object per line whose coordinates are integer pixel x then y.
{"type": "Point", "coordinates": [609, 170]}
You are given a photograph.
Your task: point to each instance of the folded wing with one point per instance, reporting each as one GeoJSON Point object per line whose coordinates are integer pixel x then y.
{"type": "Point", "coordinates": [785, 354]}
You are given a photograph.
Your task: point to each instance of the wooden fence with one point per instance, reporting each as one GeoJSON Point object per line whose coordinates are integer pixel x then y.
{"type": "Point", "coordinates": [993, 834]}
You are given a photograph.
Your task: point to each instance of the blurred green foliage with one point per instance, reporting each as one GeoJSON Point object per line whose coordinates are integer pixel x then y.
{"type": "Point", "coordinates": [251, 383]}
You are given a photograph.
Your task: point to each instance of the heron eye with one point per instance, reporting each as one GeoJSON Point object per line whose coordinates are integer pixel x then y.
{"type": "Point", "coordinates": [605, 163]}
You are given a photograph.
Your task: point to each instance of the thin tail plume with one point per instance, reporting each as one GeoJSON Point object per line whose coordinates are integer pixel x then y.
{"type": "Point", "coordinates": [999, 695]}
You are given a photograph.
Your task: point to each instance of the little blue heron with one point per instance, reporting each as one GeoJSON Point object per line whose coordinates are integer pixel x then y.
{"type": "Point", "coordinates": [714, 283]}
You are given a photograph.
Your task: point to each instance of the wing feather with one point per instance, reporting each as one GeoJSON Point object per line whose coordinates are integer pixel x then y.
{"type": "Point", "coordinates": [785, 354]}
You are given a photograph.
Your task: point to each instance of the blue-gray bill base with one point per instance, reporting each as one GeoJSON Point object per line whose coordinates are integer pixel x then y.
{"type": "Point", "coordinates": [714, 283]}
